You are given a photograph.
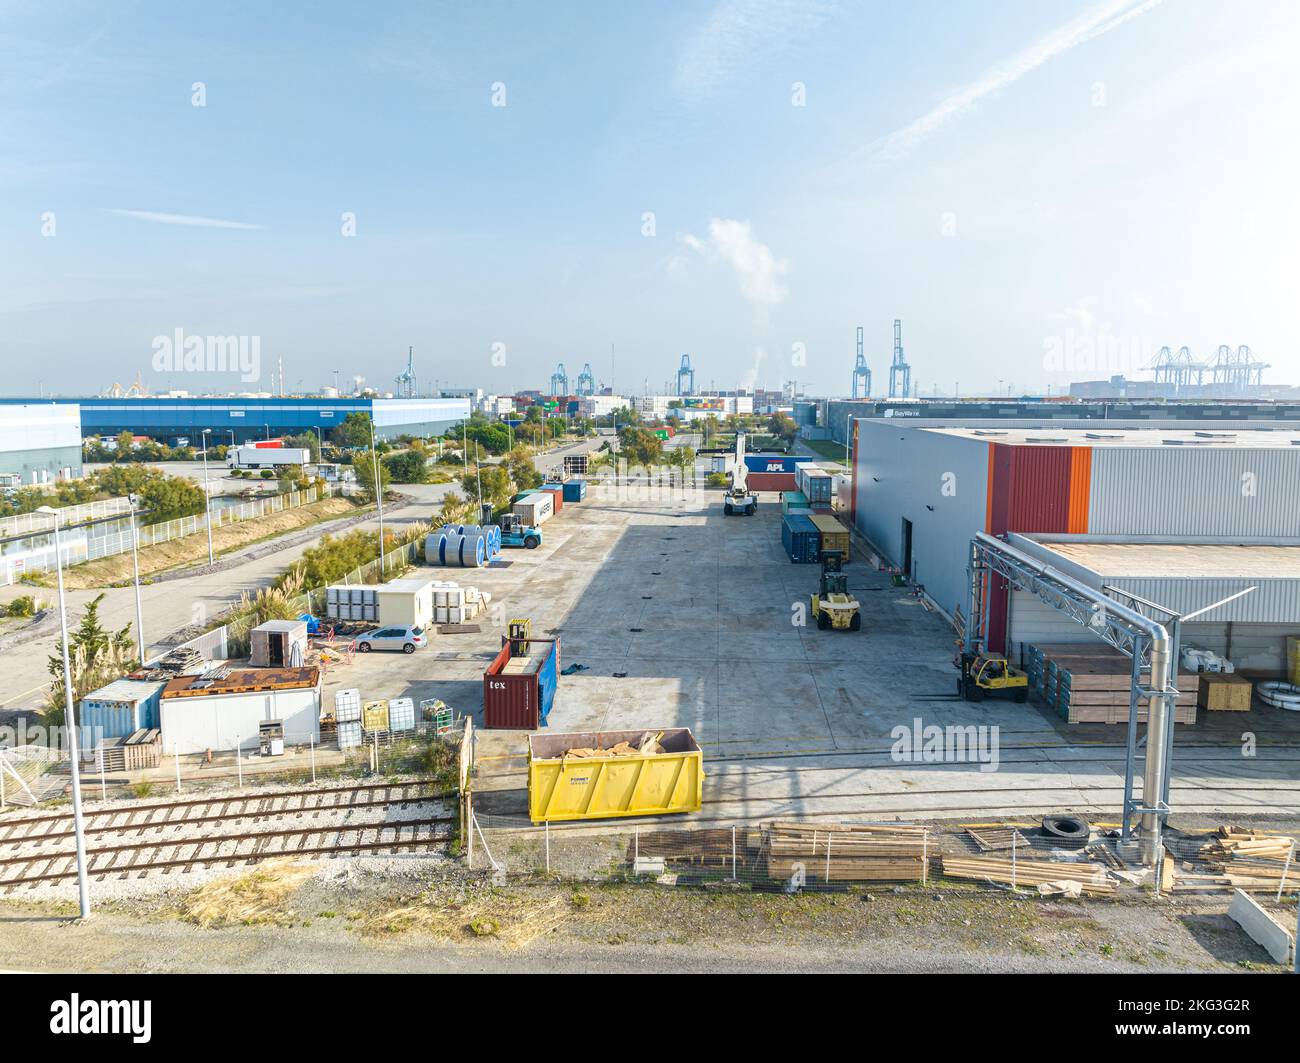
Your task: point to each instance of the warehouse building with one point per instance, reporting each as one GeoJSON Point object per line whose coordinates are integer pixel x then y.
{"type": "Point", "coordinates": [923, 488]}
{"type": "Point", "coordinates": [245, 419]}
{"type": "Point", "coordinates": [835, 415]}
{"type": "Point", "coordinates": [39, 443]}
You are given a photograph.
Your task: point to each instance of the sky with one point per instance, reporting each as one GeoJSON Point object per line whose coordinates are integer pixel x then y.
{"type": "Point", "coordinates": [1042, 191]}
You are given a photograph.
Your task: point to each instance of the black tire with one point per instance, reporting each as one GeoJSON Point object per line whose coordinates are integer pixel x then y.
{"type": "Point", "coordinates": [363, 647]}
{"type": "Point", "coordinates": [856, 623]}
{"type": "Point", "coordinates": [531, 543]}
{"type": "Point", "coordinates": [822, 621]}
{"type": "Point", "coordinates": [1067, 832]}
{"type": "Point", "coordinates": [972, 691]}
{"type": "Point", "coordinates": [726, 509]}
{"type": "Point", "coordinates": [1022, 695]}
{"type": "Point", "coordinates": [408, 648]}
{"type": "Point", "coordinates": [751, 508]}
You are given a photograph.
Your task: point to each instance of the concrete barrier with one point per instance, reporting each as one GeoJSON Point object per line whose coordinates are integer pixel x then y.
{"type": "Point", "coordinates": [1261, 927]}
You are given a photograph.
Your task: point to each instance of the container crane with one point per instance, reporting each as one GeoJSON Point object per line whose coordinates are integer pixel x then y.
{"type": "Point", "coordinates": [685, 377]}
{"type": "Point", "coordinates": [586, 385]}
{"type": "Point", "coordinates": [861, 372]}
{"type": "Point", "coordinates": [899, 371]}
{"type": "Point", "coordinates": [405, 379]}
{"type": "Point", "coordinates": [559, 381]}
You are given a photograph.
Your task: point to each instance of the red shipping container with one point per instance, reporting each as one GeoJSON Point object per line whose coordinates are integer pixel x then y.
{"type": "Point", "coordinates": [556, 493]}
{"type": "Point", "coordinates": [771, 481]}
{"type": "Point", "coordinates": [523, 700]}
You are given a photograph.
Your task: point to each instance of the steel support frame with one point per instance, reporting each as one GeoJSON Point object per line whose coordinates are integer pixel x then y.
{"type": "Point", "coordinates": [1112, 628]}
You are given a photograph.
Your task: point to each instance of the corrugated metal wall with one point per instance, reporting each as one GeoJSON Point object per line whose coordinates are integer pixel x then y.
{"type": "Point", "coordinates": [939, 483]}
{"type": "Point", "coordinates": [1189, 491]}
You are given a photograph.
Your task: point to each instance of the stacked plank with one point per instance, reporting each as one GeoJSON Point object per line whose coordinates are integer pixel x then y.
{"type": "Point", "coordinates": [1091, 878]}
{"type": "Point", "coordinates": [1090, 683]}
{"type": "Point", "coordinates": [995, 838]}
{"type": "Point", "coordinates": [1250, 860]}
{"type": "Point", "coordinates": [845, 852]}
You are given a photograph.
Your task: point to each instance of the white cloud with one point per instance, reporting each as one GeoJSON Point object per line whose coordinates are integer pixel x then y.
{"type": "Point", "coordinates": [740, 32]}
{"type": "Point", "coordinates": [758, 271]}
{"type": "Point", "coordinates": [182, 219]}
{"type": "Point", "coordinates": [1099, 20]}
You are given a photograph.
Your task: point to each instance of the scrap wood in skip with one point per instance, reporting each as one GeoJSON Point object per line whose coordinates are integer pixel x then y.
{"type": "Point", "coordinates": [1242, 859]}
{"type": "Point", "coordinates": [846, 852]}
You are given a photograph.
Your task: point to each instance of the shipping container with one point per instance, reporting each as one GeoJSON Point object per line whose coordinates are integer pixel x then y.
{"type": "Point", "coordinates": [772, 481]}
{"type": "Point", "coordinates": [575, 490]}
{"type": "Point", "coordinates": [518, 692]}
{"type": "Point", "coordinates": [834, 535]}
{"type": "Point", "coordinates": [816, 483]}
{"type": "Point", "coordinates": [120, 709]}
{"type": "Point", "coordinates": [801, 539]}
{"type": "Point", "coordinates": [536, 508]}
{"type": "Point", "coordinates": [793, 500]}
{"type": "Point", "coordinates": [601, 787]}
{"type": "Point", "coordinates": [556, 491]}
{"type": "Point", "coordinates": [770, 463]}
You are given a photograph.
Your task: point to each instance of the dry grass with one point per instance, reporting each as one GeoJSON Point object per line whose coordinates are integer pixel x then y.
{"type": "Point", "coordinates": [512, 919]}
{"type": "Point", "coordinates": [193, 549]}
{"type": "Point", "coordinates": [257, 898]}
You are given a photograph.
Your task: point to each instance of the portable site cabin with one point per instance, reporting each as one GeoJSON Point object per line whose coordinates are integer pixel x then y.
{"type": "Point", "coordinates": [222, 709]}
{"type": "Point", "coordinates": [278, 644]}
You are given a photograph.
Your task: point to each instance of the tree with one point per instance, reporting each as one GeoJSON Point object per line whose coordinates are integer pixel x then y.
{"type": "Point", "coordinates": [167, 497]}
{"type": "Point", "coordinates": [522, 470]}
{"type": "Point", "coordinates": [782, 426]}
{"type": "Point", "coordinates": [97, 657]}
{"type": "Point", "coordinates": [640, 446]}
{"type": "Point", "coordinates": [308, 441]}
{"type": "Point", "coordinates": [407, 467]}
{"type": "Point", "coordinates": [496, 484]}
{"type": "Point", "coordinates": [354, 432]}
{"type": "Point", "coordinates": [125, 445]}
{"type": "Point", "coordinates": [364, 466]}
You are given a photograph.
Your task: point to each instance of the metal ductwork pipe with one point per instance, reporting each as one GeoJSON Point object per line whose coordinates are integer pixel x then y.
{"type": "Point", "coordinates": [1160, 709]}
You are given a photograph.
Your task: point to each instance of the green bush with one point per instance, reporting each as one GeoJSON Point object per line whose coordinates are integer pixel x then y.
{"type": "Point", "coordinates": [24, 606]}
{"type": "Point", "coordinates": [268, 474]}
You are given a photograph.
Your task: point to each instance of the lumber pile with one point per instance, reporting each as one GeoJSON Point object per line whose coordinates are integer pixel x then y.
{"type": "Point", "coordinates": [1250, 860]}
{"type": "Point", "coordinates": [1091, 878]}
{"type": "Point", "coordinates": [997, 838]}
{"type": "Point", "coordinates": [845, 852]}
{"type": "Point", "coordinates": [1090, 683]}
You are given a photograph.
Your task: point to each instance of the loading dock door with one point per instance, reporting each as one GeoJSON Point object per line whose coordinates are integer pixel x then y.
{"type": "Point", "coordinates": [907, 548]}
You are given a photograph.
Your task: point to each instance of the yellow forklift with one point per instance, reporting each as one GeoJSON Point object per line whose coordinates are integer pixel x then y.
{"type": "Point", "coordinates": [985, 674]}
{"type": "Point", "coordinates": [833, 606]}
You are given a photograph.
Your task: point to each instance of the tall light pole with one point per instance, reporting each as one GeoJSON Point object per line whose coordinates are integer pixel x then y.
{"type": "Point", "coordinates": [135, 561]}
{"type": "Point", "coordinates": [78, 822]}
{"type": "Point", "coordinates": [379, 495]}
{"type": "Point", "coordinates": [207, 496]}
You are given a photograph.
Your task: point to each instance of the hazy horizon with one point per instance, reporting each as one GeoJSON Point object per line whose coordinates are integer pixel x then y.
{"type": "Point", "coordinates": [1042, 191]}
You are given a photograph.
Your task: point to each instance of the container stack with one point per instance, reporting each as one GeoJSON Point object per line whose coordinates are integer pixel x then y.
{"type": "Point", "coordinates": [519, 685]}
{"type": "Point", "coordinates": [794, 500]}
{"type": "Point", "coordinates": [816, 484]}
{"type": "Point", "coordinates": [535, 508]}
{"type": "Point", "coordinates": [575, 490]}
{"type": "Point", "coordinates": [801, 539]}
{"type": "Point", "coordinates": [834, 535]}
{"type": "Point", "coordinates": [356, 603]}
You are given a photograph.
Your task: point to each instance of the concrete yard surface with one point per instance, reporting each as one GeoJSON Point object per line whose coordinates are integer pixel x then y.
{"type": "Point", "coordinates": [682, 617]}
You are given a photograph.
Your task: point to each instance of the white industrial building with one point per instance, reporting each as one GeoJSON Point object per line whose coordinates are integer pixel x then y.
{"type": "Point", "coordinates": [1127, 491]}
{"type": "Point", "coordinates": [600, 405]}
{"type": "Point", "coordinates": [225, 710]}
{"type": "Point", "coordinates": [40, 443]}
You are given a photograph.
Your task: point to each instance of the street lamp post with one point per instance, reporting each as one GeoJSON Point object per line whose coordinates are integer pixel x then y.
{"type": "Point", "coordinates": [379, 496]}
{"type": "Point", "coordinates": [78, 822]}
{"type": "Point", "coordinates": [207, 496]}
{"type": "Point", "coordinates": [135, 561]}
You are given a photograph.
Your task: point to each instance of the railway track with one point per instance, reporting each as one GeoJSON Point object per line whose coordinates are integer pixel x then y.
{"type": "Point", "coordinates": [140, 858]}
{"type": "Point", "coordinates": [177, 815]}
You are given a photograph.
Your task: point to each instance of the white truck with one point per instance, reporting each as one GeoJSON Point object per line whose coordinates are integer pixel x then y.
{"type": "Point", "coordinates": [266, 457]}
{"type": "Point", "coordinates": [739, 499]}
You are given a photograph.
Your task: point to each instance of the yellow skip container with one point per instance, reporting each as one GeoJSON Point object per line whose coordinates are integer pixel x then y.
{"type": "Point", "coordinates": [601, 784]}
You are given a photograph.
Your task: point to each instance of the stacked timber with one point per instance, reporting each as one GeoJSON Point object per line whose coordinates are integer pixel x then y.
{"type": "Point", "coordinates": [1247, 860]}
{"type": "Point", "coordinates": [845, 852]}
{"type": "Point", "coordinates": [1091, 878]}
{"type": "Point", "coordinates": [1090, 683]}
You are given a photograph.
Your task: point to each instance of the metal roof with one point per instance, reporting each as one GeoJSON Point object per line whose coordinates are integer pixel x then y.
{"type": "Point", "coordinates": [1183, 560]}
{"type": "Point", "coordinates": [1101, 435]}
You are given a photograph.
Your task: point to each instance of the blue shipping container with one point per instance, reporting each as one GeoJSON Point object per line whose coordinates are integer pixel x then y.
{"type": "Point", "coordinates": [547, 682]}
{"type": "Point", "coordinates": [575, 490]}
{"type": "Point", "coordinates": [801, 538]}
{"type": "Point", "coordinates": [770, 463]}
{"type": "Point", "coordinates": [121, 708]}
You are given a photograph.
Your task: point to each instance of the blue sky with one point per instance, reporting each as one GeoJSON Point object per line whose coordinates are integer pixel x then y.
{"type": "Point", "coordinates": [1012, 179]}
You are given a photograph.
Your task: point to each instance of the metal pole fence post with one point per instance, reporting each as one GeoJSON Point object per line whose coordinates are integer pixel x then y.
{"type": "Point", "coordinates": [239, 761]}
{"type": "Point", "coordinates": [925, 855]}
{"type": "Point", "coordinates": [312, 740]}
{"type": "Point", "coordinates": [547, 825]}
{"type": "Point", "coordinates": [1282, 884]}
{"type": "Point", "coordinates": [103, 787]}
{"type": "Point", "coordinates": [828, 858]}
{"type": "Point", "coordinates": [733, 854]}
{"type": "Point", "coordinates": [177, 757]}
{"type": "Point", "coordinates": [3, 763]}
{"type": "Point", "coordinates": [1014, 833]}
{"type": "Point", "coordinates": [636, 845]}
